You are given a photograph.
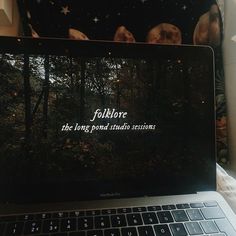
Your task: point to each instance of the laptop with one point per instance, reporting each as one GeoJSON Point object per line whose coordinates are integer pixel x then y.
{"type": "Point", "coordinates": [104, 138]}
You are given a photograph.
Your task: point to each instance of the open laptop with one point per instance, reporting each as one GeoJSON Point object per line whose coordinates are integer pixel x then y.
{"type": "Point", "coordinates": [103, 138]}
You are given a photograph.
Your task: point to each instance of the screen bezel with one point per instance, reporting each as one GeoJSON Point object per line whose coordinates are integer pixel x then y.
{"type": "Point", "coordinates": [74, 191]}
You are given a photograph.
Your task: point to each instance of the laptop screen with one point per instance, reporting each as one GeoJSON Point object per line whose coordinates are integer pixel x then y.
{"type": "Point", "coordinates": [82, 120]}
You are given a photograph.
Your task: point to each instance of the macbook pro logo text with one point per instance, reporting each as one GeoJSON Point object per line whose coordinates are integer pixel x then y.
{"type": "Point", "coordinates": [110, 195]}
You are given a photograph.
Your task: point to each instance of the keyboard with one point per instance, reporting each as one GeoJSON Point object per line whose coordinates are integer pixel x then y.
{"type": "Point", "coordinates": [199, 218]}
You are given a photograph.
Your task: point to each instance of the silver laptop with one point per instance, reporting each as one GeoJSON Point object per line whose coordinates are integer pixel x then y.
{"type": "Point", "coordinates": [108, 139]}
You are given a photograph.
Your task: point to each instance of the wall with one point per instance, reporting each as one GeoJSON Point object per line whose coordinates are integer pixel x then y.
{"type": "Point", "coordinates": [9, 18]}
{"type": "Point", "coordinates": [230, 75]}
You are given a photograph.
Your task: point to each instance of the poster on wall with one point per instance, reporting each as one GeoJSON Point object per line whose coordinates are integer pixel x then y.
{"type": "Point", "coordinates": [150, 21]}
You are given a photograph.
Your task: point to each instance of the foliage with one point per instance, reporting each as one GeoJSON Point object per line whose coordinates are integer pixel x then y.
{"type": "Point", "coordinates": [68, 90]}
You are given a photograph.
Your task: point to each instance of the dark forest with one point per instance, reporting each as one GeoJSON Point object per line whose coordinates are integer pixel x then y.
{"type": "Point", "coordinates": [40, 94]}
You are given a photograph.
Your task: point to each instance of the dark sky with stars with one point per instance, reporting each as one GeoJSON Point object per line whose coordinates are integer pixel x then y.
{"type": "Point", "coordinates": [100, 19]}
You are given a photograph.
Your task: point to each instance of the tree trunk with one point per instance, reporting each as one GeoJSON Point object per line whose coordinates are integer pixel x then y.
{"type": "Point", "coordinates": [82, 90]}
{"type": "Point", "coordinates": [46, 96]}
{"type": "Point", "coordinates": [100, 82]}
{"type": "Point", "coordinates": [27, 98]}
{"type": "Point", "coordinates": [72, 82]}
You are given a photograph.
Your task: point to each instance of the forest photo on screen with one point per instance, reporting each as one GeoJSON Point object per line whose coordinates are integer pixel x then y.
{"type": "Point", "coordinates": [79, 119]}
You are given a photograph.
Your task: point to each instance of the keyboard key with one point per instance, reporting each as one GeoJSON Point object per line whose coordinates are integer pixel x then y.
{"type": "Point", "coordinates": [149, 218]}
{"type": "Point", "coordinates": [68, 224]}
{"type": "Point", "coordinates": [124, 210]}
{"type": "Point", "coordinates": [15, 228]}
{"type": "Point", "coordinates": [59, 234]}
{"type": "Point", "coordinates": [165, 217]}
{"type": "Point", "coordinates": [194, 214]}
{"type": "Point", "coordinates": [193, 228]}
{"type": "Point", "coordinates": [130, 231]}
{"type": "Point", "coordinates": [225, 227]}
{"type": "Point", "coordinates": [209, 227]}
{"type": "Point", "coordinates": [77, 213]}
{"type": "Point", "coordinates": [94, 233]}
{"type": "Point", "coordinates": [168, 207]}
{"type": "Point", "coordinates": [197, 205]}
{"type": "Point", "coordinates": [180, 215]}
{"type": "Point", "coordinates": [145, 231]}
{"type": "Point", "coordinates": [51, 226]}
{"type": "Point", "coordinates": [111, 232]}
{"type": "Point", "coordinates": [154, 208]}
{"type": "Point", "coordinates": [43, 216]}
{"type": "Point", "coordinates": [109, 211]}
{"type": "Point", "coordinates": [60, 215]}
{"type": "Point", "coordinates": [25, 217]}
{"type": "Point", "coordinates": [32, 227]}
{"type": "Point", "coordinates": [8, 219]}
{"type": "Point", "coordinates": [217, 234]}
{"type": "Point", "coordinates": [85, 223]}
{"type": "Point", "coordinates": [93, 213]}
{"type": "Point", "coordinates": [102, 222]}
{"type": "Point", "coordinates": [212, 213]}
{"type": "Point", "coordinates": [134, 219]}
{"type": "Point", "coordinates": [178, 229]}
{"type": "Point", "coordinates": [2, 227]}
{"type": "Point", "coordinates": [162, 230]}
{"type": "Point", "coordinates": [211, 204]}
{"type": "Point", "coordinates": [139, 209]}
{"type": "Point", "coordinates": [118, 220]}
{"type": "Point", "coordinates": [80, 233]}
{"type": "Point", "coordinates": [183, 206]}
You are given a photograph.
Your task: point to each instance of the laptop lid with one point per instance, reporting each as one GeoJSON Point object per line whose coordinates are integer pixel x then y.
{"type": "Point", "coordinates": [93, 120]}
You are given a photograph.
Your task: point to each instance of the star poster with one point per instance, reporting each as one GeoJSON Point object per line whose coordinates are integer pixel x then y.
{"type": "Point", "coordinates": [99, 20]}
{"type": "Point", "coordinates": [194, 22]}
